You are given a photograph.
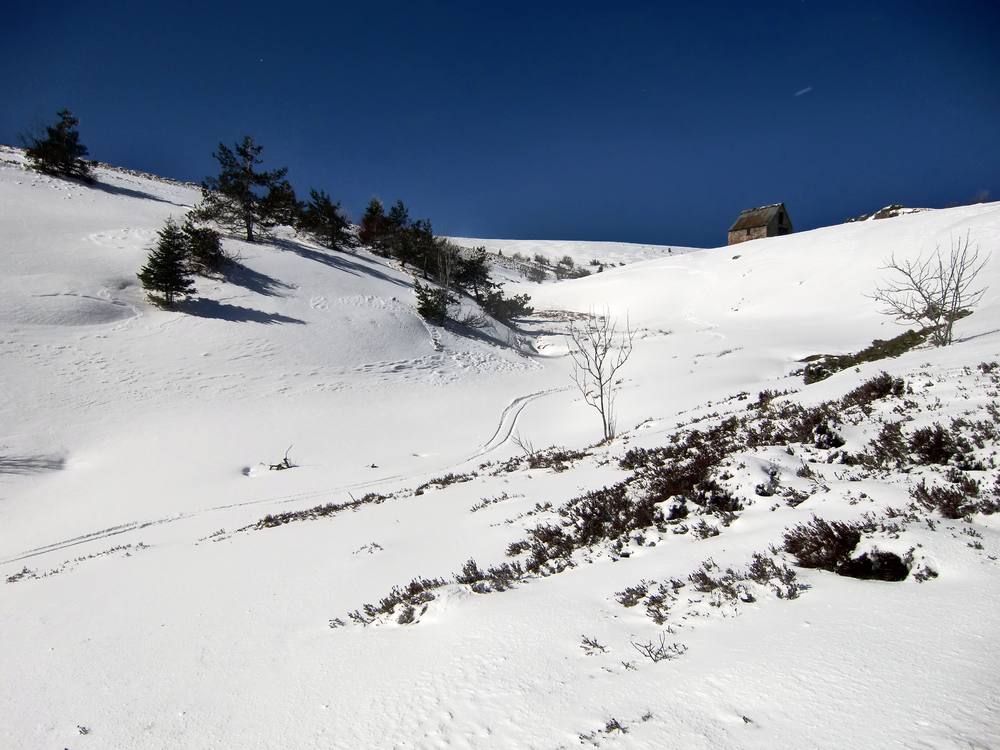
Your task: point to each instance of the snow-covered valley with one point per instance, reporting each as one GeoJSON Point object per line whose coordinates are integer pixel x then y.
{"type": "Point", "coordinates": [163, 588]}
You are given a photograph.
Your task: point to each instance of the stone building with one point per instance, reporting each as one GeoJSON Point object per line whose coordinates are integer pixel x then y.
{"type": "Point", "coordinates": [765, 221]}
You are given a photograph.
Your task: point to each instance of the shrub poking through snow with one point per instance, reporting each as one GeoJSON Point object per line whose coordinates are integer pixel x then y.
{"type": "Point", "coordinates": [319, 511]}
{"type": "Point", "coordinates": [879, 387]}
{"type": "Point", "coordinates": [557, 459]}
{"type": "Point", "coordinates": [496, 578]}
{"type": "Point", "coordinates": [937, 445]}
{"type": "Point", "coordinates": [956, 501]}
{"type": "Point", "coordinates": [821, 366]}
{"type": "Point", "coordinates": [822, 544]}
{"type": "Point", "coordinates": [657, 651]}
{"type": "Point", "coordinates": [829, 545]}
{"type": "Point", "coordinates": [442, 482]}
{"type": "Point", "coordinates": [416, 594]}
{"type": "Point", "coordinates": [888, 450]}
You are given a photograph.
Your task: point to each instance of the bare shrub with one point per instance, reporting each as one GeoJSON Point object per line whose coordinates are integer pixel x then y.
{"type": "Point", "coordinates": [599, 351]}
{"type": "Point", "coordinates": [657, 651]}
{"type": "Point", "coordinates": [934, 291]}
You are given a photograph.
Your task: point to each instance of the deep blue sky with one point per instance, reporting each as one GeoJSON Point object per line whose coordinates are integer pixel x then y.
{"type": "Point", "coordinates": [648, 122]}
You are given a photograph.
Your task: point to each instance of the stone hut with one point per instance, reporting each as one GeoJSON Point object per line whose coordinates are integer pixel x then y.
{"type": "Point", "coordinates": [764, 221]}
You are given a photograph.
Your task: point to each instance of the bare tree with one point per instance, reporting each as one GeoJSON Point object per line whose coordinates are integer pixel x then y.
{"type": "Point", "coordinates": [599, 352]}
{"type": "Point", "coordinates": [935, 291]}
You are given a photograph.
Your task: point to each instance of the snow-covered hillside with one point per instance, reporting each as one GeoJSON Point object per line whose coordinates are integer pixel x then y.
{"type": "Point", "coordinates": [582, 253]}
{"type": "Point", "coordinates": [165, 589]}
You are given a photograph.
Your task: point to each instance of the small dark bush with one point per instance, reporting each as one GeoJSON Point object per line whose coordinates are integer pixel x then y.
{"type": "Point", "coordinates": [311, 514]}
{"type": "Point", "coordinates": [888, 449]}
{"type": "Point", "coordinates": [937, 445]}
{"type": "Point", "coordinates": [632, 595]}
{"type": "Point", "coordinates": [933, 445]}
{"type": "Point", "coordinates": [763, 570]}
{"type": "Point", "coordinates": [951, 502]}
{"type": "Point", "coordinates": [825, 437]}
{"type": "Point", "coordinates": [822, 544]}
{"type": "Point", "coordinates": [417, 592]}
{"type": "Point", "coordinates": [879, 387]}
{"type": "Point", "coordinates": [821, 366]}
{"type": "Point", "coordinates": [446, 480]}
{"type": "Point", "coordinates": [557, 459]}
{"type": "Point", "coordinates": [471, 573]}
{"type": "Point", "coordinates": [875, 566]}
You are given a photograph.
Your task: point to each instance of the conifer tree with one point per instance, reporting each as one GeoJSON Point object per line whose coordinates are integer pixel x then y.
{"type": "Point", "coordinates": [280, 206]}
{"type": "Point", "coordinates": [373, 225]}
{"type": "Point", "coordinates": [240, 198]}
{"type": "Point", "coordinates": [166, 275]}
{"type": "Point", "coordinates": [204, 248]}
{"type": "Point", "coordinates": [325, 220]}
{"type": "Point", "coordinates": [60, 152]}
{"type": "Point", "coordinates": [473, 272]}
{"type": "Point", "coordinates": [432, 302]}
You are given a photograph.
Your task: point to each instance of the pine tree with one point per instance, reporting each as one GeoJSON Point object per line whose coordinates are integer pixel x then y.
{"type": "Point", "coordinates": [373, 225]}
{"type": "Point", "coordinates": [280, 206]}
{"type": "Point", "coordinates": [398, 217]}
{"type": "Point", "coordinates": [432, 302]}
{"type": "Point", "coordinates": [204, 248]}
{"type": "Point", "coordinates": [240, 198]}
{"type": "Point", "coordinates": [325, 220]}
{"type": "Point", "coordinates": [473, 272]}
{"type": "Point", "coordinates": [165, 275]}
{"type": "Point", "coordinates": [60, 153]}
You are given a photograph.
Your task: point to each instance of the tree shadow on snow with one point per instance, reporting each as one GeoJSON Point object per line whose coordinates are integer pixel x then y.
{"type": "Point", "coordinates": [210, 308]}
{"type": "Point", "coordinates": [129, 193]}
{"type": "Point", "coordinates": [254, 281]}
{"type": "Point", "coordinates": [30, 464]}
{"type": "Point", "coordinates": [337, 259]}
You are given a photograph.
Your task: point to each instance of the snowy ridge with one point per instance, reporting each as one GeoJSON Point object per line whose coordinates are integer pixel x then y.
{"type": "Point", "coordinates": [142, 579]}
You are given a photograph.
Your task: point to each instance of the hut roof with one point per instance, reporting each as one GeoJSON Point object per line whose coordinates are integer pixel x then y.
{"type": "Point", "coordinates": [761, 216]}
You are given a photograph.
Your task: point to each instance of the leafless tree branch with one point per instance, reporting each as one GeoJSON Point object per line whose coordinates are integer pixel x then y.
{"type": "Point", "coordinates": [935, 291]}
{"type": "Point", "coordinates": [599, 351]}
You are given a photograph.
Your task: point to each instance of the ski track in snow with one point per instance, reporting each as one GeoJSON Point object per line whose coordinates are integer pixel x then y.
{"type": "Point", "coordinates": [506, 424]}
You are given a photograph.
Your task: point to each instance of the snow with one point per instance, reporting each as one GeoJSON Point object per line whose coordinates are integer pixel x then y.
{"type": "Point", "coordinates": [581, 252]}
{"type": "Point", "coordinates": [134, 446]}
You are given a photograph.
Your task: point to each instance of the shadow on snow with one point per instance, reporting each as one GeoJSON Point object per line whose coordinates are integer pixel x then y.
{"type": "Point", "coordinates": [209, 308]}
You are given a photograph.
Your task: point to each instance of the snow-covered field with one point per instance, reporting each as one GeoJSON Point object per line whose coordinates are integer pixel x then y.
{"type": "Point", "coordinates": [146, 604]}
{"type": "Point", "coordinates": [582, 253]}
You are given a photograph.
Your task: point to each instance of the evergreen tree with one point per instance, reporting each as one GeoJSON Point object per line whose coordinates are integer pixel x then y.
{"type": "Point", "coordinates": [504, 308]}
{"type": "Point", "coordinates": [398, 217]}
{"type": "Point", "coordinates": [60, 153]}
{"type": "Point", "coordinates": [427, 253]}
{"type": "Point", "coordinates": [398, 239]}
{"type": "Point", "coordinates": [325, 220]}
{"type": "Point", "coordinates": [373, 225]}
{"type": "Point", "coordinates": [204, 248]}
{"type": "Point", "coordinates": [432, 302]}
{"type": "Point", "coordinates": [240, 198]}
{"type": "Point", "coordinates": [280, 206]}
{"type": "Point", "coordinates": [165, 275]}
{"type": "Point", "coordinates": [473, 272]}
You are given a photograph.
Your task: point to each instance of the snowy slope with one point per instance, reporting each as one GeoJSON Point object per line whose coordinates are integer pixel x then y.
{"type": "Point", "coordinates": [145, 610]}
{"type": "Point", "coordinates": [582, 253]}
